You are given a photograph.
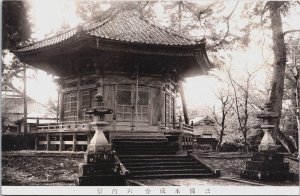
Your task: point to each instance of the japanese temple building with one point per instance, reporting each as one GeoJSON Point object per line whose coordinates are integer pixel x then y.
{"type": "Point", "coordinates": [137, 66]}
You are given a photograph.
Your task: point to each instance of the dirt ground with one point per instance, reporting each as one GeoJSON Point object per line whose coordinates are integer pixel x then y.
{"type": "Point", "coordinates": [37, 169]}
{"type": "Point", "coordinates": [231, 167]}
{"type": "Point", "coordinates": [30, 170]}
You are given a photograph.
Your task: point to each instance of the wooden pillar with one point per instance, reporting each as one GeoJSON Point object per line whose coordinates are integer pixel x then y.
{"type": "Point", "coordinates": [61, 105]}
{"type": "Point", "coordinates": [163, 105]}
{"type": "Point", "coordinates": [78, 100]}
{"type": "Point", "coordinates": [48, 141]}
{"type": "Point", "coordinates": [25, 99]}
{"type": "Point", "coordinates": [184, 107]}
{"type": "Point", "coordinates": [36, 142]}
{"type": "Point", "coordinates": [61, 142]}
{"type": "Point", "coordinates": [74, 142]}
{"type": "Point", "coordinates": [37, 123]}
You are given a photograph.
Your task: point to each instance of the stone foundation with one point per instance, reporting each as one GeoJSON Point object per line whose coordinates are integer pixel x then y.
{"type": "Point", "coordinates": [266, 166]}
{"type": "Point", "coordinates": [100, 169]}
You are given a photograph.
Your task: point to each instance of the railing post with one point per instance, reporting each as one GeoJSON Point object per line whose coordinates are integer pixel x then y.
{"type": "Point", "coordinates": [36, 143]}
{"type": "Point", "coordinates": [74, 142]}
{"type": "Point", "coordinates": [180, 123]}
{"type": "Point", "coordinates": [114, 122]}
{"type": "Point", "coordinates": [48, 142]}
{"type": "Point", "coordinates": [61, 142]}
{"type": "Point", "coordinates": [159, 125]}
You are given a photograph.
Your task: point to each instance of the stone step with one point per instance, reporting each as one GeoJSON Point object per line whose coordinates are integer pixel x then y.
{"type": "Point", "coordinates": [161, 152]}
{"type": "Point", "coordinates": [140, 137]}
{"type": "Point", "coordinates": [158, 167]}
{"type": "Point", "coordinates": [143, 150]}
{"type": "Point", "coordinates": [142, 142]}
{"type": "Point", "coordinates": [145, 145]}
{"type": "Point", "coordinates": [169, 171]}
{"type": "Point", "coordinates": [136, 132]}
{"type": "Point", "coordinates": [153, 156]}
{"type": "Point", "coordinates": [146, 160]}
{"type": "Point", "coordinates": [166, 164]}
{"type": "Point", "coordinates": [166, 176]}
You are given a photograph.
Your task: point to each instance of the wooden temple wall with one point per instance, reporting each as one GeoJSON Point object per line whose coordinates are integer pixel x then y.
{"type": "Point", "coordinates": [151, 89]}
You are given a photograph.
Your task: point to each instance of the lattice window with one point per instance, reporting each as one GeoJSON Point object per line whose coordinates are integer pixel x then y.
{"type": "Point", "coordinates": [70, 106]}
{"type": "Point", "coordinates": [124, 97]}
{"type": "Point", "coordinates": [126, 103]}
{"type": "Point", "coordinates": [86, 102]}
{"type": "Point", "coordinates": [143, 98]}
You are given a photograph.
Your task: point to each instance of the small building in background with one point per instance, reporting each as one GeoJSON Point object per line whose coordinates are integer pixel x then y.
{"type": "Point", "coordinates": [205, 130]}
{"type": "Point", "coordinates": [12, 104]}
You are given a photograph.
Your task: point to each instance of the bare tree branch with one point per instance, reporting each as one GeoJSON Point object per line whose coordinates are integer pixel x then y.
{"type": "Point", "coordinates": [291, 31]}
{"type": "Point", "coordinates": [227, 19]}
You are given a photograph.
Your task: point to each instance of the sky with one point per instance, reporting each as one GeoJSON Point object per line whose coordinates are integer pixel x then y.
{"type": "Point", "coordinates": [48, 16]}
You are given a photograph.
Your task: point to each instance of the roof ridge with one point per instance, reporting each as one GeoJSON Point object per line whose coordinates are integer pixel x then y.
{"type": "Point", "coordinates": [11, 86]}
{"type": "Point", "coordinates": [112, 14]}
{"type": "Point", "coordinates": [167, 30]}
{"type": "Point", "coordinates": [48, 38]}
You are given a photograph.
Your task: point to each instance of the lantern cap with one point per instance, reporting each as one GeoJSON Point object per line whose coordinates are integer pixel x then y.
{"type": "Point", "coordinates": [267, 112]}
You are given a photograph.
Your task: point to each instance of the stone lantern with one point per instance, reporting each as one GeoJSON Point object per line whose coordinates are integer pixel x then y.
{"type": "Point", "coordinates": [99, 143]}
{"type": "Point", "coordinates": [267, 117]}
{"type": "Point", "coordinates": [101, 166]}
{"type": "Point", "coordinates": [267, 164]}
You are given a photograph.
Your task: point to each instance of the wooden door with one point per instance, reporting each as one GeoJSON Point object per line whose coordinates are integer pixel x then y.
{"type": "Point", "coordinates": [126, 108]}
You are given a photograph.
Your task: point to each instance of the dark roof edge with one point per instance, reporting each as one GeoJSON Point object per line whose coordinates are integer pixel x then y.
{"type": "Point", "coordinates": [89, 26]}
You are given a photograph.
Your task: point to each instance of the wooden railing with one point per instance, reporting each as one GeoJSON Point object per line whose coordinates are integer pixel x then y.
{"type": "Point", "coordinates": [177, 125]}
{"type": "Point", "coordinates": [65, 126]}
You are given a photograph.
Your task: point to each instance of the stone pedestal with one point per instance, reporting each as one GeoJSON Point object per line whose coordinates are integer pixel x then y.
{"type": "Point", "coordinates": [267, 164]}
{"type": "Point", "coordinates": [100, 169]}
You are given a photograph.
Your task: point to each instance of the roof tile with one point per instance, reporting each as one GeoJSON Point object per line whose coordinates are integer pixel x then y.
{"type": "Point", "coordinates": [125, 26]}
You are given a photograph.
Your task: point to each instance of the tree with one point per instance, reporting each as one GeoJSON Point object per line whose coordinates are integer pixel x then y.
{"type": "Point", "coordinates": [226, 105]}
{"type": "Point", "coordinates": [276, 8]}
{"type": "Point", "coordinates": [292, 86]}
{"type": "Point", "coordinates": [241, 94]}
{"type": "Point", "coordinates": [89, 10]}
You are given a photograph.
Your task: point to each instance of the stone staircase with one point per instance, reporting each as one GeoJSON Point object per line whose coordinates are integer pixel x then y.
{"type": "Point", "coordinates": [153, 156]}
{"type": "Point", "coordinates": [164, 166]}
{"type": "Point", "coordinates": [142, 146]}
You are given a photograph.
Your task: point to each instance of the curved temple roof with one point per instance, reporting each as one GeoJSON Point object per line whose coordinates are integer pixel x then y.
{"type": "Point", "coordinates": [118, 32]}
{"type": "Point", "coordinates": [123, 26]}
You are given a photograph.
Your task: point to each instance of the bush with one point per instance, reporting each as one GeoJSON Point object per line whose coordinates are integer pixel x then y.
{"type": "Point", "coordinates": [231, 146]}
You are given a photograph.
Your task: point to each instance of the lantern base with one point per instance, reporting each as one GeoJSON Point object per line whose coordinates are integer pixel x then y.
{"type": "Point", "coordinates": [267, 166]}
{"type": "Point", "coordinates": [267, 148]}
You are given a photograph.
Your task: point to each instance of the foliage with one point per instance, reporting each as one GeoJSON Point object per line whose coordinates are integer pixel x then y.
{"type": "Point", "coordinates": [231, 146]}
{"type": "Point", "coordinates": [89, 10]}
{"type": "Point", "coordinates": [15, 23]}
